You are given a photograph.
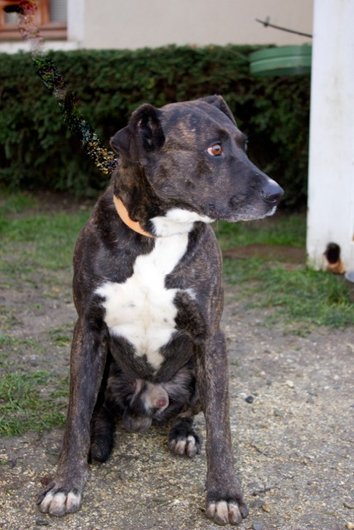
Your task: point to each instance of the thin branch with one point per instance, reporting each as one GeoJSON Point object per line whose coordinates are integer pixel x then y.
{"type": "Point", "coordinates": [266, 23]}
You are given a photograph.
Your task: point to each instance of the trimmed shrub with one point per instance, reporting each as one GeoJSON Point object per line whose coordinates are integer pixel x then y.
{"type": "Point", "coordinates": [38, 151]}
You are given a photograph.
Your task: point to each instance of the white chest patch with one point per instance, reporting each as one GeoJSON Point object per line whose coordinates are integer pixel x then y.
{"type": "Point", "coordinates": [141, 309]}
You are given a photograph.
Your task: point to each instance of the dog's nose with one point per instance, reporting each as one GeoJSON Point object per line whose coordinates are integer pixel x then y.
{"type": "Point", "coordinates": [272, 192]}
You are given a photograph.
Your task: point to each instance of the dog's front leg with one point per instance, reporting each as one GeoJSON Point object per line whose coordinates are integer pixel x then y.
{"type": "Point", "coordinates": [224, 496]}
{"type": "Point", "coordinates": [88, 354]}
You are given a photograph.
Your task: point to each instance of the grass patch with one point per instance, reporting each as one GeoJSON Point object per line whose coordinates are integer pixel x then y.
{"type": "Point", "coordinates": [30, 398]}
{"type": "Point", "coordinates": [11, 345]}
{"type": "Point", "coordinates": [33, 240]}
{"type": "Point", "coordinates": [11, 203]}
{"type": "Point", "coordinates": [8, 317]}
{"type": "Point", "coordinates": [317, 297]}
{"type": "Point", "coordinates": [61, 336]}
{"type": "Point", "coordinates": [39, 241]}
{"type": "Point", "coordinates": [14, 342]}
{"type": "Point", "coordinates": [279, 230]}
{"type": "Point", "coordinates": [23, 408]}
{"type": "Point", "coordinates": [298, 294]}
{"type": "Point", "coordinates": [303, 295]}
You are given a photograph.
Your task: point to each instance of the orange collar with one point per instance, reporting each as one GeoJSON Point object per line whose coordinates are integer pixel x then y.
{"type": "Point", "coordinates": [124, 215]}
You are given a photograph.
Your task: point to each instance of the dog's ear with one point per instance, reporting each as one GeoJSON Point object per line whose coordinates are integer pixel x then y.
{"type": "Point", "coordinates": [148, 127]}
{"type": "Point", "coordinates": [220, 103]}
{"type": "Point", "coordinates": [143, 131]}
{"type": "Point", "coordinates": [120, 142]}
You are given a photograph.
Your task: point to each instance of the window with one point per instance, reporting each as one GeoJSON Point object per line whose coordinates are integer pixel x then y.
{"type": "Point", "coordinates": [51, 19]}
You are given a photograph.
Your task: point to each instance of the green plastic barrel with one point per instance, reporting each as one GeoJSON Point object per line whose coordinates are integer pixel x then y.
{"type": "Point", "coordinates": [281, 60]}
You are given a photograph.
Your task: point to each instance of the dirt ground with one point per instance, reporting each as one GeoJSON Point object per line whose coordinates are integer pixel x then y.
{"type": "Point", "coordinates": [292, 408]}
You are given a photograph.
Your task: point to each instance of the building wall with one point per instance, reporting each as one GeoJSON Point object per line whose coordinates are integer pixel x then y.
{"type": "Point", "coordinates": [151, 23]}
{"type": "Point", "coordinates": [139, 23]}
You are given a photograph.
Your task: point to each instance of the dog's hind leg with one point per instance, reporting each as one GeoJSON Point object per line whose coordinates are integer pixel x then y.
{"type": "Point", "coordinates": [102, 434]}
{"type": "Point", "coordinates": [182, 438]}
{"type": "Point", "coordinates": [88, 355]}
{"type": "Point", "coordinates": [103, 421]}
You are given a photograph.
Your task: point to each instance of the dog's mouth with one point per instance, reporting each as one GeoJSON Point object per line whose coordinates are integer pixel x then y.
{"type": "Point", "coordinates": [256, 203]}
{"type": "Point", "coordinates": [242, 212]}
{"type": "Point", "coordinates": [271, 211]}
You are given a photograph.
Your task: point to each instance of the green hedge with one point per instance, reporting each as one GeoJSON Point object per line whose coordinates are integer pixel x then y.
{"type": "Point", "coordinates": [38, 151]}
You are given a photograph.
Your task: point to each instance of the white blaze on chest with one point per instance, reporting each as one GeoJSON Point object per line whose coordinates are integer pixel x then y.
{"type": "Point", "coordinates": [141, 309]}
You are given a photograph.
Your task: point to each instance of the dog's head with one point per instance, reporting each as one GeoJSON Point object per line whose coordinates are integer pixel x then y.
{"type": "Point", "coordinates": [193, 157]}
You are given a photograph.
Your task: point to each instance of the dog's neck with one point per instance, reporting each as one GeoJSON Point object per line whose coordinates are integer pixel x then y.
{"type": "Point", "coordinates": [125, 217]}
{"type": "Point", "coordinates": [176, 221]}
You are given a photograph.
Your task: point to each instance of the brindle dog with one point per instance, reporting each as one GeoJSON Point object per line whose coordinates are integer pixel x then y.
{"type": "Point", "coordinates": [147, 289]}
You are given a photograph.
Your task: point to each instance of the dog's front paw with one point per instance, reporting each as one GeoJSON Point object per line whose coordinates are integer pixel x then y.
{"type": "Point", "coordinates": [183, 440]}
{"type": "Point", "coordinates": [226, 512]}
{"type": "Point", "coordinates": [225, 503]}
{"type": "Point", "coordinates": [59, 501]}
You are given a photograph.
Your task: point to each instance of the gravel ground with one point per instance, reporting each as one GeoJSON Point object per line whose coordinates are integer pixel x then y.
{"type": "Point", "coordinates": [292, 407]}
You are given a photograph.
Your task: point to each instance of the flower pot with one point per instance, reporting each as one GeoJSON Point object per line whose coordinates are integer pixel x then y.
{"type": "Point", "coordinates": [281, 60]}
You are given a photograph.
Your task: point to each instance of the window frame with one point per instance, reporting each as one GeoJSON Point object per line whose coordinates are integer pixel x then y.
{"type": "Point", "coordinates": [48, 29]}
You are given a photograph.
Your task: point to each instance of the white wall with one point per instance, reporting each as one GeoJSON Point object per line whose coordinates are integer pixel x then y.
{"type": "Point", "coordinates": [76, 20]}
{"type": "Point", "coordinates": [139, 23]}
{"type": "Point", "coordinates": [331, 169]}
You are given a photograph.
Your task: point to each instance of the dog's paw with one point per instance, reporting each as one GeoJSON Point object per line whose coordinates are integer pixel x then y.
{"type": "Point", "coordinates": [226, 512]}
{"type": "Point", "coordinates": [183, 440]}
{"type": "Point", "coordinates": [59, 501]}
{"type": "Point", "coordinates": [101, 448]}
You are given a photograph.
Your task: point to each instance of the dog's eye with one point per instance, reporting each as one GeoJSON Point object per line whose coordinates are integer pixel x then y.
{"type": "Point", "coordinates": [215, 150]}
